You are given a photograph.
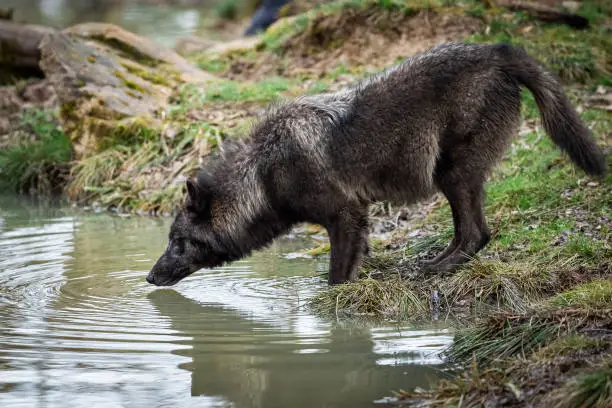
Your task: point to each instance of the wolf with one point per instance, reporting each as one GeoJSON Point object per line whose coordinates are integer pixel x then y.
{"type": "Point", "coordinates": [438, 121]}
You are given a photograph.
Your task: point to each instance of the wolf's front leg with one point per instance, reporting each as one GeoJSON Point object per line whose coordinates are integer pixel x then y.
{"type": "Point", "coordinates": [348, 241]}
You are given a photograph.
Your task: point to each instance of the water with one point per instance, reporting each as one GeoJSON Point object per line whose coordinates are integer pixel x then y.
{"type": "Point", "coordinates": [162, 23]}
{"type": "Point", "coordinates": [79, 326]}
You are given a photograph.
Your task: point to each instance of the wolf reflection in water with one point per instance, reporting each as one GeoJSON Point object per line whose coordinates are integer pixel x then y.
{"type": "Point", "coordinates": [264, 370]}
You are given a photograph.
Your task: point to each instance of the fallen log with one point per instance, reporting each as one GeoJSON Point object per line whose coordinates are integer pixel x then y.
{"type": "Point", "coordinates": [544, 12]}
{"type": "Point", "coordinates": [6, 13]}
{"type": "Point", "coordinates": [19, 44]}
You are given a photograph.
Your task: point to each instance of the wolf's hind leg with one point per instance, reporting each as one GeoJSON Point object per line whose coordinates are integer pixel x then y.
{"type": "Point", "coordinates": [348, 241]}
{"type": "Point", "coordinates": [465, 197]}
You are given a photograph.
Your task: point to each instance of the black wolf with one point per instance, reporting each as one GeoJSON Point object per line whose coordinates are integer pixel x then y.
{"type": "Point", "coordinates": [438, 121]}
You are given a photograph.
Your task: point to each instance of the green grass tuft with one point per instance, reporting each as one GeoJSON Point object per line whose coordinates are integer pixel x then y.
{"type": "Point", "coordinates": [594, 294]}
{"type": "Point", "coordinates": [499, 338]}
{"type": "Point", "coordinates": [592, 389]}
{"type": "Point", "coordinates": [226, 90]}
{"type": "Point", "coordinates": [227, 9]}
{"type": "Point", "coordinates": [38, 165]}
{"type": "Point", "coordinates": [513, 286]}
{"type": "Point", "coordinates": [568, 345]}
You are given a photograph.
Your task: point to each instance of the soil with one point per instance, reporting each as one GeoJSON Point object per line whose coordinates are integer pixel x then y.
{"type": "Point", "coordinates": [354, 36]}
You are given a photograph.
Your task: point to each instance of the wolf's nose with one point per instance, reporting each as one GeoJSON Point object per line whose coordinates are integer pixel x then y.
{"type": "Point", "coordinates": [150, 279]}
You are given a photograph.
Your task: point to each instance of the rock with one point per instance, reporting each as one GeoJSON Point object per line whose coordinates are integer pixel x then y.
{"type": "Point", "coordinates": [109, 80]}
{"type": "Point", "coordinates": [139, 48]}
{"type": "Point", "coordinates": [96, 89]}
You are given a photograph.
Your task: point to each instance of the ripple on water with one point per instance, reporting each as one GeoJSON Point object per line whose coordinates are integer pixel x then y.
{"type": "Point", "coordinates": [79, 320]}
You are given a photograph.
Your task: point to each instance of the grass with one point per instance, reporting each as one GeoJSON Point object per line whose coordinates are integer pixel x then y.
{"type": "Point", "coordinates": [595, 294]}
{"type": "Point", "coordinates": [576, 56]}
{"type": "Point", "coordinates": [568, 345]}
{"type": "Point", "coordinates": [506, 335]}
{"type": "Point", "coordinates": [592, 389]}
{"type": "Point", "coordinates": [512, 286]}
{"type": "Point", "coordinates": [228, 90]}
{"type": "Point", "coordinates": [36, 165]}
{"type": "Point", "coordinates": [275, 38]}
{"type": "Point", "coordinates": [371, 297]}
{"type": "Point", "coordinates": [144, 177]}
{"type": "Point", "coordinates": [500, 337]}
{"type": "Point", "coordinates": [552, 354]}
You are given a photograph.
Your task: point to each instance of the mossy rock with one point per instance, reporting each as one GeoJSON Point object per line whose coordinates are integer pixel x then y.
{"type": "Point", "coordinates": [99, 86]}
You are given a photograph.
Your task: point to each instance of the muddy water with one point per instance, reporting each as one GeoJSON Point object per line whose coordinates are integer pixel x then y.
{"type": "Point", "coordinates": [161, 23]}
{"type": "Point", "coordinates": [79, 326]}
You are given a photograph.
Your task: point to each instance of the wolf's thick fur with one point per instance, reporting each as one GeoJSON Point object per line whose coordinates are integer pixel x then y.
{"type": "Point", "coordinates": [439, 120]}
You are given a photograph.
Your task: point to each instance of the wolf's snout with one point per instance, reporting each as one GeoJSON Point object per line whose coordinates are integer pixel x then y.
{"type": "Point", "coordinates": [150, 278]}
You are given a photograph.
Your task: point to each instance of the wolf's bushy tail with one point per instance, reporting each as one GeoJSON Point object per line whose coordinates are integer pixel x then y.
{"type": "Point", "coordinates": [560, 120]}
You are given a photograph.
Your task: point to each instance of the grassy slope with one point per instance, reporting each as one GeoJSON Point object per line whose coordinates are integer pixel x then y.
{"type": "Point", "coordinates": [547, 216]}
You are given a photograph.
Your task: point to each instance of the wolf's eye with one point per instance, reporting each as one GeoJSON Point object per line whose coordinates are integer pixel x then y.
{"type": "Point", "coordinates": [179, 246]}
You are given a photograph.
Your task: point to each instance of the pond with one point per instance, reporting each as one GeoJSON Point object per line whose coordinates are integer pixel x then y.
{"type": "Point", "coordinates": [79, 323]}
{"type": "Point", "coordinates": [163, 23]}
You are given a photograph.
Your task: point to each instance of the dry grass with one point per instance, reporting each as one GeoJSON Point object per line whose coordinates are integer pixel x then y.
{"type": "Point", "coordinates": [512, 286]}
{"type": "Point", "coordinates": [371, 297]}
{"type": "Point", "coordinates": [148, 177]}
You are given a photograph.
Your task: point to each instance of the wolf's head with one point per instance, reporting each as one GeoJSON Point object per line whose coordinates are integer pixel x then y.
{"type": "Point", "coordinates": [193, 241]}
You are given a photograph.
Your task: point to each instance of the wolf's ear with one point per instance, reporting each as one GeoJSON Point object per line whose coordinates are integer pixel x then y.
{"type": "Point", "coordinates": [198, 199]}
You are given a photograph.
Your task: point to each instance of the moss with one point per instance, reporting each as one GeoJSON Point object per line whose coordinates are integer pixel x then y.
{"type": "Point", "coordinates": [129, 83]}
{"type": "Point", "coordinates": [158, 75]}
{"type": "Point", "coordinates": [128, 50]}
